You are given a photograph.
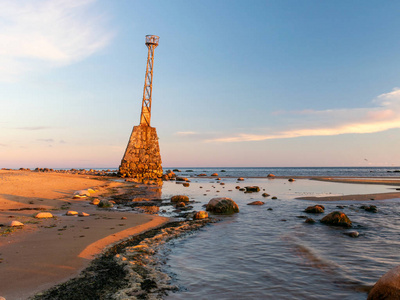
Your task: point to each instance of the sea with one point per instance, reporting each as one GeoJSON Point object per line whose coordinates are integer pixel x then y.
{"type": "Point", "coordinates": [268, 251]}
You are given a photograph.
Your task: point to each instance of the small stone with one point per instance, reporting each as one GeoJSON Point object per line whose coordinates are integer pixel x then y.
{"type": "Point", "coordinates": [252, 189]}
{"type": "Point", "coordinates": [309, 221]}
{"type": "Point", "coordinates": [352, 234]}
{"type": "Point", "coordinates": [240, 179]}
{"type": "Point", "coordinates": [270, 175]}
{"type": "Point", "coordinates": [291, 180]}
{"type": "Point", "coordinates": [256, 203]}
{"type": "Point", "coordinates": [43, 215]}
{"type": "Point", "coordinates": [180, 204]}
{"type": "Point", "coordinates": [214, 174]}
{"type": "Point", "coordinates": [83, 214]}
{"type": "Point", "coordinates": [200, 215]}
{"type": "Point", "coordinates": [15, 224]}
{"type": "Point", "coordinates": [316, 209]}
{"type": "Point", "coordinates": [274, 198]}
{"type": "Point", "coordinates": [71, 213]}
{"type": "Point", "coordinates": [242, 189]}
{"type": "Point", "coordinates": [95, 201]}
{"type": "Point", "coordinates": [265, 195]}
{"type": "Point", "coordinates": [237, 187]}
{"type": "Point", "coordinates": [186, 184]}
{"type": "Point", "coordinates": [179, 198]}
{"type": "Point", "coordinates": [124, 218]}
{"type": "Point", "coordinates": [269, 208]}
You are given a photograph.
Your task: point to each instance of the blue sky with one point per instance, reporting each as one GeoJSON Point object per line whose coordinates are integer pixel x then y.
{"type": "Point", "coordinates": [236, 83]}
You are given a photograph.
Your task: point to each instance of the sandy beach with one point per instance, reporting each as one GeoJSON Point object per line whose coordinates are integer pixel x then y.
{"type": "Point", "coordinates": [45, 252]}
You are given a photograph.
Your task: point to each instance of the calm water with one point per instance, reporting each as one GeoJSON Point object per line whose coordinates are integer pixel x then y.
{"type": "Point", "coordinates": [273, 254]}
{"type": "Point", "coordinates": [317, 171]}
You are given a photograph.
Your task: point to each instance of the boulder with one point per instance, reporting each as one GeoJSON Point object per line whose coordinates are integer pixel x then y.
{"type": "Point", "coordinates": [179, 198]}
{"type": "Point", "coordinates": [256, 203]}
{"type": "Point", "coordinates": [43, 215]}
{"type": "Point", "coordinates": [316, 209]}
{"type": "Point", "coordinates": [15, 224]}
{"type": "Point", "coordinates": [387, 287]}
{"type": "Point", "coordinates": [336, 218]}
{"type": "Point", "coordinates": [222, 205]}
{"type": "Point", "coordinates": [252, 189]}
{"type": "Point", "coordinates": [200, 215]}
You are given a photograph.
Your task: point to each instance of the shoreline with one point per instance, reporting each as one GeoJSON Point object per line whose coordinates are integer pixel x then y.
{"type": "Point", "coordinates": [46, 252]}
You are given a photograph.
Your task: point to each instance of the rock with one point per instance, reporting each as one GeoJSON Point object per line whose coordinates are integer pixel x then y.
{"type": "Point", "coordinates": [123, 218]}
{"type": "Point", "coordinates": [15, 224]}
{"type": "Point", "coordinates": [176, 170]}
{"type": "Point", "coordinates": [252, 189]}
{"type": "Point", "coordinates": [95, 201]}
{"type": "Point", "coordinates": [370, 208]}
{"type": "Point", "coordinates": [179, 198]}
{"type": "Point", "coordinates": [291, 180]}
{"type": "Point", "coordinates": [353, 234]}
{"type": "Point", "coordinates": [274, 198]}
{"type": "Point", "coordinates": [78, 197]}
{"type": "Point", "coordinates": [237, 187]}
{"type": "Point", "coordinates": [180, 204]}
{"type": "Point", "coordinates": [240, 179]}
{"type": "Point", "coordinates": [214, 174]}
{"type": "Point", "coordinates": [222, 205]}
{"type": "Point", "coordinates": [269, 208]}
{"type": "Point", "coordinates": [316, 209]}
{"type": "Point", "coordinates": [181, 179]}
{"type": "Point", "coordinates": [309, 221]}
{"type": "Point", "coordinates": [202, 174]}
{"type": "Point", "coordinates": [242, 189]}
{"type": "Point", "coordinates": [71, 213]}
{"type": "Point", "coordinates": [222, 183]}
{"type": "Point", "coordinates": [83, 214]}
{"type": "Point", "coordinates": [43, 215]}
{"type": "Point", "coordinates": [186, 184]}
{"type": "Point", "coordinates": [270, 175]}
{"type": "Point", "coordinates": [83, 193]}
{"type": "Point", "coordinates": [256, 203]}
{"type": "Point", "coordinates": [387, 287]}
{"type": "Point", "coordinates": [265, 195]}
{"type": "Point", "coordinates": [200, 215]}
{"type": "Point", "coordinates": [105, 204]}
{"type": "Point", "coordinates": [336, 218]}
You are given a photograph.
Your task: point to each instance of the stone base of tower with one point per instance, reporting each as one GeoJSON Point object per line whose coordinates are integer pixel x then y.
{"type": "Point", "coordinates": [142, 159]}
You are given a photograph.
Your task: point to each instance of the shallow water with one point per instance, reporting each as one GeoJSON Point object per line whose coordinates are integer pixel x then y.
{"type": "Point", "coordinates": [273, 254]}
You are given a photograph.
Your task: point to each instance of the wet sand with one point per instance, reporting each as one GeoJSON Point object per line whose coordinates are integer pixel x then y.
{"type": "Point", "coordinates": [366, 197]}
{"type": "Point", "coordinates": [45, 252]}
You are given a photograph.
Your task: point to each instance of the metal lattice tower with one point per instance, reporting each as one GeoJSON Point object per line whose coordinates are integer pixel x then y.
{"type": "Point", "coordinates": [151, 43]}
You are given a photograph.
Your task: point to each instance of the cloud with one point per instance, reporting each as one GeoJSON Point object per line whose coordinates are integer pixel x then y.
{"type": "Point", "coordinates": [33, 128]}
{"type": "Point", "coordinates": [384, 116]}
{"type": "Point", "coordinates": [46, 140]}
{"type": "Point", "coordinates": [185, 133]}
{"type": "Point", "coordinates": [36, 34]}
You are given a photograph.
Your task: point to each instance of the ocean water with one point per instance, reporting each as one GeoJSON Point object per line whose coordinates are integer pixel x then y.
{"type": "Point", "coordinates": [296, 171]}
{"type": "Point", "coordinates": [272, 254]}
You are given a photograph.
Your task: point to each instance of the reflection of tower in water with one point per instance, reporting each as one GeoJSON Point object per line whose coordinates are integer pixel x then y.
{"type": "Point", "coordinates": [142, 159]}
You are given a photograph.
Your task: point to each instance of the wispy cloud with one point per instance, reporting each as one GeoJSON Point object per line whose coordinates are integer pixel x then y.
{"type": "Point", "coordinates": [384, 116]}
{"type": "Point", "coordinates": [186, 133]}
{"type": "Point", "coordinates": [51, 33]}
{"type": "Point", "coordinates": [46, 140]}
{"type": "Point", "coordinates": [33, 128]}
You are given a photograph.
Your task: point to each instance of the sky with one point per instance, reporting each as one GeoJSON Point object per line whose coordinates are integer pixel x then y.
{"type": "Point", "coordinates": [279, 83]}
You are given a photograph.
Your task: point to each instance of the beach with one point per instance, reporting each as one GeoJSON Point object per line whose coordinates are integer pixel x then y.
{"type": "Point", "coordinates": [45, 252]}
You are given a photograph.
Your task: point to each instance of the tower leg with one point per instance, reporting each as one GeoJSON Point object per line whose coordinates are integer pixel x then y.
{"type": "Point", "coordinates": [142, 159]}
